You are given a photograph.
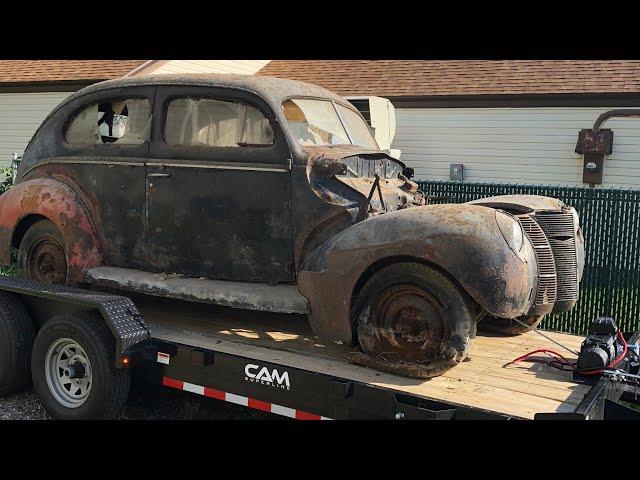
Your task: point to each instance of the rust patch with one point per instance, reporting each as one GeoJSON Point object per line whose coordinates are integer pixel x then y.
{"type": "Point", "coordinates": [590, 141]}
{"type": "Point", "coordinates": [463, 240]}
{"type": "Point", "coordinates": [56, 201]}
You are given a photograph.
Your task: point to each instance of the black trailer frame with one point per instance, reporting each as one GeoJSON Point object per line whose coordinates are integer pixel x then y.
{"type": "Point", "coordinates": [311, 395]}
{"type": "Point", "coordinates": [281, 389]}
{"type": "Point", "coordinates": [292, 392]}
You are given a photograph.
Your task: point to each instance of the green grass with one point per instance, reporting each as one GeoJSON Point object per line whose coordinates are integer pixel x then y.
{"type": "Point", "coordinates": [9, 271]}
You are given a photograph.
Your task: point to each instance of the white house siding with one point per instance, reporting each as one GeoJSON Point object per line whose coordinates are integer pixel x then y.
{"type": "Point", "coordinates": [242, 67]}
{"type": "Point", "coordinates": [20, 116]}
{"type": "Point", "coordinates": [513, 145]}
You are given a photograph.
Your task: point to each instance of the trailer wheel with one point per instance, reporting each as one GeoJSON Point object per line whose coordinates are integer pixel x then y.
{"type": "Point", "coordinates": [412, 313]}
{"type": "Point", "coordinates": [41, 255]}
{"type": "Point", "coordinates": [73, 369]}
{"type": "Point", "coordinates": [505, 326]}
{"type": "Point", "coordinates": [17, 333]}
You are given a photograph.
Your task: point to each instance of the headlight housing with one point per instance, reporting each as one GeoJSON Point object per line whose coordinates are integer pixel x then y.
{"type": "Point", "coordinates": [511, 231]}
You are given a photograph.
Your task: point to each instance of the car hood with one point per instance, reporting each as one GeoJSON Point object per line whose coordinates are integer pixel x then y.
{"type": "Point", "coordinates": [522, 203]}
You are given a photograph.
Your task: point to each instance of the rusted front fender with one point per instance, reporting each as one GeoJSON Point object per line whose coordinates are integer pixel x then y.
{"type": "Point", "coordinates": [463, 240]}
{"type": "Point", "coordinates": [59, 203]}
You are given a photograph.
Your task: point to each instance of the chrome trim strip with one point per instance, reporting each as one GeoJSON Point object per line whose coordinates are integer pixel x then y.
{"type": "Point", "coordinates": [220, 167]}
{"type": "Point", "coordinates": [81, 162]}
{"type": "Point", "coordinates": [156, 163]}
{"type": "Point", "coordinates": [97, 162]}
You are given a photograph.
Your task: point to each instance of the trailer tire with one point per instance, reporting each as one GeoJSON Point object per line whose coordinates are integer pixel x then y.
{"type": "Point", "coordinates": [17, 334]}
{"type": "Point", "coordinates": [78, 347]}
{"type": "Point", "coordinates": [506, 326]}
{"type": "Point", "coordinates": [412, 314]}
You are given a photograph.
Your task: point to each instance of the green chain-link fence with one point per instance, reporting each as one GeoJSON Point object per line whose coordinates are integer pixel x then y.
{"type": "Point", "coordinates": [610, 220]}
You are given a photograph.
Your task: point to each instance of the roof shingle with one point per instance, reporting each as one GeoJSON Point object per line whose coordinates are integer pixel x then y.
{"type": "Point", "coordinates": [44, 71]}
{"type": "Point", "coordinates": [410, 78]}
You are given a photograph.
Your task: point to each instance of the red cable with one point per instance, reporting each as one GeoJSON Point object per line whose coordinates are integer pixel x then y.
{"type": "Point", "coordinates": [559, 359]}
{"type": "Point", "coordinates": [556, 358]}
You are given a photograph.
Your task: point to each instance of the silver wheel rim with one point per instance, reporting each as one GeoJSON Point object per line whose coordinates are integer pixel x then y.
{"type": "Point", "coordinates": [68, 373]}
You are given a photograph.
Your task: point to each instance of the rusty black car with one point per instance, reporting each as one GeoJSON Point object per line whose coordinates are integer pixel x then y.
{"type": "Point", "coordinates": [270, 194]}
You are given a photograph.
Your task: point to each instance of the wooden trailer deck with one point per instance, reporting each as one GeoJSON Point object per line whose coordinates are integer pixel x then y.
{"type": "Point", "coordinates": [482, 381]}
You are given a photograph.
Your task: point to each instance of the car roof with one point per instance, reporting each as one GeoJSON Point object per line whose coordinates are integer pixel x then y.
{"type": "Point", "coordinates": [272, 89]}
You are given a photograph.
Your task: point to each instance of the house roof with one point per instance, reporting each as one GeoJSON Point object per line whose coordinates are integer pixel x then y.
{"type": "Point", "coordinates": [54, 71]}
{"type": "Point", "coordinates": [414, 78]}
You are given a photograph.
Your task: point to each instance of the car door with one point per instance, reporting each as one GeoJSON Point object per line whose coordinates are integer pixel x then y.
{"type": "Point", "coordinates": [219, 187]}
{"type": "Point", "coordinates": [106, 142]}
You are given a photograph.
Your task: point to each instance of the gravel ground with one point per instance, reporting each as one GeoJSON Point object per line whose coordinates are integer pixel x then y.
{"type": "Point", "coordinates": [22, 406]}
{"type": "Point", "coordinates": [145, 403]}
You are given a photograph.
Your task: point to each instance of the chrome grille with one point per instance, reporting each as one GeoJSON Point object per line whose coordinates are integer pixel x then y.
{"type": "Point", "coordinates": [547, 284]}
{"type": "Point", "coordinates": [558, 227]}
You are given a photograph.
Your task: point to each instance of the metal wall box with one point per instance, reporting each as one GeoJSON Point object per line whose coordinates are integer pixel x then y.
{"type": "Point", "coordinates": [593, 168]}
{"type": "Point", "coordinates": [590, 141]}
{"type": "Point", "coordinates": [456, 172]}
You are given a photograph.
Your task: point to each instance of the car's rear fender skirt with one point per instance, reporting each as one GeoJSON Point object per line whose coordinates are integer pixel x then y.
{"type": "Point", "coordinates": [56, 201]}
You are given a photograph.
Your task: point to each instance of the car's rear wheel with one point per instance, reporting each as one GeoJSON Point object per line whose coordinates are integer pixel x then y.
{"type": "Point", "coordinates": [506, 326]}
{"type": "Point", "coordinates": [41, 255]}
{"type": "Point", "coordinates": [411, 314]}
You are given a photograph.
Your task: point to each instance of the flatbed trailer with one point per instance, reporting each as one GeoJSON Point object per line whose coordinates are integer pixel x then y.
{"type": "Point", "coordinates": [272, 362]}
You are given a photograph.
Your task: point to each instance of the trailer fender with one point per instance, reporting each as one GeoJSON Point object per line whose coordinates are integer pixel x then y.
{"type": "Point", "coordinates": [56, 201]}
{"type": "Point", "coordinates": [464, 241]}
{"type": "Point", "coordinates": [119, 313]}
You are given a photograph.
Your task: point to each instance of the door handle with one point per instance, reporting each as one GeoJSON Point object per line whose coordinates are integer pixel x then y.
{"type": "Point", "coordinates": [161, 175]}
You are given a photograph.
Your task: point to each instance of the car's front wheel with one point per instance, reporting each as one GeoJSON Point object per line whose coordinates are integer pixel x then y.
{"type": "Point", "coordinates": [413, 320]}
{"type": "Point", "coordinates": [41, 255]}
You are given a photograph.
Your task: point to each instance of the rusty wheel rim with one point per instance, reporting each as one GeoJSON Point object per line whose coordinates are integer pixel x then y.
{"type": "Point", "coordinates": [409, 324]}
{"type": "Point", "coordinates": [46, 262]}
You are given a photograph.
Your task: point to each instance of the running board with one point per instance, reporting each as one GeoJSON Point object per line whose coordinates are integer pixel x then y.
{"type": "Point", "coordinates": [248, 296]}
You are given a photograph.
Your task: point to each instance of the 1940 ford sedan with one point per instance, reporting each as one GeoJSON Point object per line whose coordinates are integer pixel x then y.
{"type": "Point", "coordinates": [273, 195]}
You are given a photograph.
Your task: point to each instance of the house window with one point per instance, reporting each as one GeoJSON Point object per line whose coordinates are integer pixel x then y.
{"type": "Point", "coordinates": [125, 122]}
{"type": "Point", "coordinates": [214, 123]}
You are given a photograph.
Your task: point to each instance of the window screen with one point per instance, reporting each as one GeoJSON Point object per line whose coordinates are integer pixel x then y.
{"type": "Point", "coordinates": [214, 123]}
{"type": "Point", "coordinates": [125, 122]}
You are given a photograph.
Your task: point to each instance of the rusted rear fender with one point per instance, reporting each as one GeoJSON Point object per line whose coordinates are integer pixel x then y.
{"type": "Point", "coordinates": [463, 240]}
{"type": "Point", "coordinates": [59, 203]}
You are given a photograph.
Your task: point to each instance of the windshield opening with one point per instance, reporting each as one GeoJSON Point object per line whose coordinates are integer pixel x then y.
{"type": "Point", "coordinates": [316, 122]}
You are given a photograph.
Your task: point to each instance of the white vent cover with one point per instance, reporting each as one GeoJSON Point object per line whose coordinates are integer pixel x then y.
{"type": "Point", "coordinates": [381, 117]}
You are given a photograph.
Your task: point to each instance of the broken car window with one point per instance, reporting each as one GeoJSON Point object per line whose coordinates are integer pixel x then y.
{"type": "Point", "coordinates": [214, 123]}
{"type": "Point", "coordinates": [125, 122]}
